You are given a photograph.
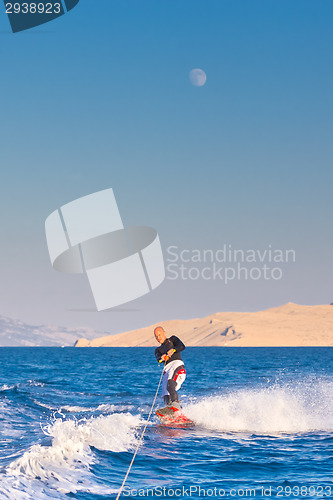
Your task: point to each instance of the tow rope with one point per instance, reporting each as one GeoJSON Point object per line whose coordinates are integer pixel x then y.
{"type": "Point", "coordinates": [142, 434]}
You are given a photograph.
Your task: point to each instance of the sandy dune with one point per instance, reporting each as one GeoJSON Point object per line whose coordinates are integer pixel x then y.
{"type": "Point", "coordinates": [287, 325]}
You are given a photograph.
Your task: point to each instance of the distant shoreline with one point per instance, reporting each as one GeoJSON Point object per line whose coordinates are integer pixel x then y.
{"type": "Point", "coordinates": [152, 347]}
{"type": "Point", "coordinates": [289, 325]}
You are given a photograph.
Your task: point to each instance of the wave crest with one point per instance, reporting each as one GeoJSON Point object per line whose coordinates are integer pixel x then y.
{"type": "Point", "coordinates": [287, 408]}
{"type": "Point", "coordinates": [64, 465]}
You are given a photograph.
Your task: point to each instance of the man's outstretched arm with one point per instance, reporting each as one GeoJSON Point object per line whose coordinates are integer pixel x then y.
{"type": "Point", "coordinates": [178, 344]}
{"type": "Point", "coordinates": [157, 354]}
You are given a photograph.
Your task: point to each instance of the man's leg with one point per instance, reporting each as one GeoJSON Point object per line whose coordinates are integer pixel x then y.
{"type": "Point", "coordinates": [174, 381]}
{"type": "Point", "coordinates": [166, 400]}
{"type": "Point", "coordinates": [172, 390]}
{"type": "Point", "coordinates": [165, 393]}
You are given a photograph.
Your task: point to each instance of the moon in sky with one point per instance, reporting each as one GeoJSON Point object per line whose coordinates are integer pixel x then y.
{"type": "Point", "coordinates": [198, 77]}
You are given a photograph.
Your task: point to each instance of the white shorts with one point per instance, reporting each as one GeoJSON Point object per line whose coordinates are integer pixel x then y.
{"type": "Point", "coordinates": [169, 373]}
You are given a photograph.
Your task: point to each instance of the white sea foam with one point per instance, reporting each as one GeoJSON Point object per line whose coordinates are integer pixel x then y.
{"type": "Point", "coordinates": [64, 466]}
{"type": "Point", "coordinates": [6, 387]}
{"type": "Point", "coordinates": [76, 409]}
{"type": "Point", "coordinates": [36, 383]}
{"type": "Point", "coordinates": [65, 408]}
{"type": "Point", "coordinates": [109, 408]}
{"type": "Point", "coordinates": [44, 405]}
{"type": "Point", "coordinates": [299, 408]}
{"type": "Point", "coordinates": [102, 408]}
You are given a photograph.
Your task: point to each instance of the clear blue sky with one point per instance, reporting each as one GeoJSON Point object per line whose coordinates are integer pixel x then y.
{"type": "Point", "coordinates": [101, 98]}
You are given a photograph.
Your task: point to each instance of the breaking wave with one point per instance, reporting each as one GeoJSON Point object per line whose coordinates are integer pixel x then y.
{"type": "Point", "coordinates": [64, 466]}
{"type": "Point", "coordinates": [300, 408]}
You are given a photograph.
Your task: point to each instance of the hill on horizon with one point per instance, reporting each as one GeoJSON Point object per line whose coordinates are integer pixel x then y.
{"type": "Point", "coordinates": [287, 325]}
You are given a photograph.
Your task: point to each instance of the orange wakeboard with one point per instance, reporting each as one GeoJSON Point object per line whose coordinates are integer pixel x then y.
{"type": "Point", "coordinates": [173, 417]}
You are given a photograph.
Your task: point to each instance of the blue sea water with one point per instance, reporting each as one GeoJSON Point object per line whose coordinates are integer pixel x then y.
{"type": "Point", "coordinates": [71, 418]}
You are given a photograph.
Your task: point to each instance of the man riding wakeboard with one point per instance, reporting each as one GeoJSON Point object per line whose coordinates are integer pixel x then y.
{"type": "Point", "coordinates": [174, 369]}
